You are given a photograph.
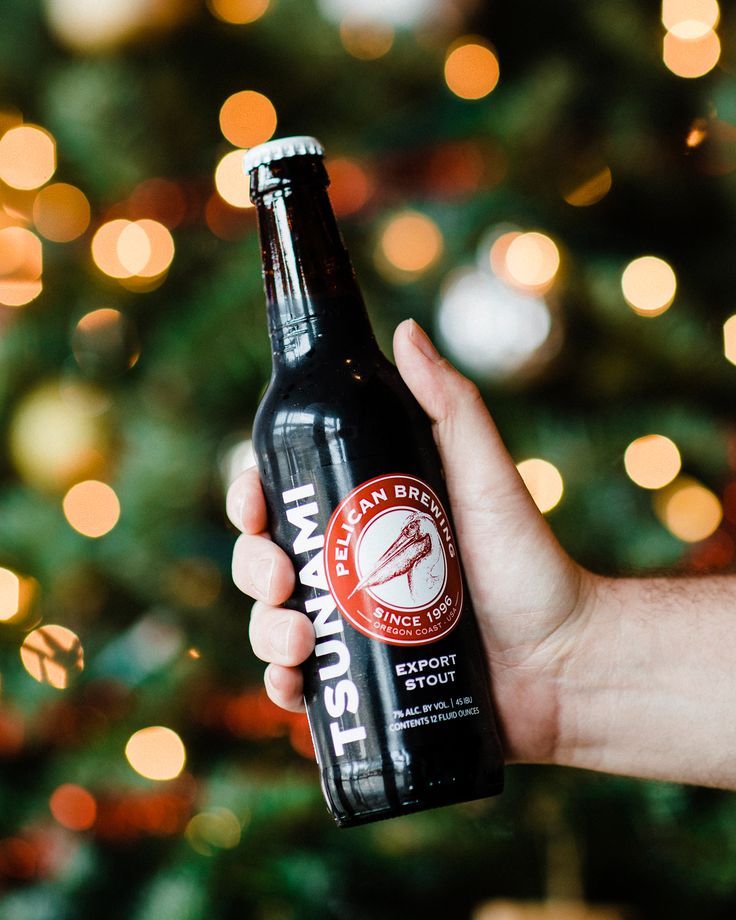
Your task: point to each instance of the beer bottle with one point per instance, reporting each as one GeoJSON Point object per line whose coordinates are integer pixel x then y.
{"type": "Point", "coordinates": [396, 691]}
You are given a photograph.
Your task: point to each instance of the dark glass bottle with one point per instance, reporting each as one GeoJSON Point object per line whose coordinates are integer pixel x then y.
{"type": "Point", "coordinates": [397, 691]}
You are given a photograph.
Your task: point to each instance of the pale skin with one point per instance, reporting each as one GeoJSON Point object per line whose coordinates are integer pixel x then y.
{"type": "Point", "coordinates": [627, 676]}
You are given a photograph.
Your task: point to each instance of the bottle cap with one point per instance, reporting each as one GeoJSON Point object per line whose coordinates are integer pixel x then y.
{"type": "Point", "coordinates": [280, 149]}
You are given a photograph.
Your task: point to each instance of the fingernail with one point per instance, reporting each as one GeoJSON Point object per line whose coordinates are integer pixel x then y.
{"type": "Point", "coordinates": [261, 574]}
{"type": "Point", "coordinates": [235, 506]}
{"type": "Point", "coordinates": [422, 341]}
{"type": "Point", "coordinates": [280, 635]}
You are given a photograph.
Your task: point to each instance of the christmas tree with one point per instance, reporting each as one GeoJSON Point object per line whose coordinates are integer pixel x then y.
{"type": "Point", "coordinates": [549, 189]}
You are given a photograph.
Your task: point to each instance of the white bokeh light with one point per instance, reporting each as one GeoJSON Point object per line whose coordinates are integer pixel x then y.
{"type": "Point", "coordinates": [489, 327]}
{"type": "Point", "coordinates": [392, 12]}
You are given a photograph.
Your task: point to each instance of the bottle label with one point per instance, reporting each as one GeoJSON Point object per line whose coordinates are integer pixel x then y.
{"type": "Point", "coordinates": [391, 561]}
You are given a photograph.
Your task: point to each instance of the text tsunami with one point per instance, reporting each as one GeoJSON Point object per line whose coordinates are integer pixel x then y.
{"type": "Point", "coordinates": [340, 695]}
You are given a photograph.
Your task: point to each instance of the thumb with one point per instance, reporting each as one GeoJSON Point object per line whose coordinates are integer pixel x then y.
{"type": "Point", "coordinates": [478, 468]}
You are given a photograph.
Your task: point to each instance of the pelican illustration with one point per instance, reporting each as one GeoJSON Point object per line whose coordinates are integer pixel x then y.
{"type": "Point", "coordinates": [414, 553]}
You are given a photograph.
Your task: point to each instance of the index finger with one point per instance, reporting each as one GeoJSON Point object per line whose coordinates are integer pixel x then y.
{"type": "Point", "coordinates": [245, 503]}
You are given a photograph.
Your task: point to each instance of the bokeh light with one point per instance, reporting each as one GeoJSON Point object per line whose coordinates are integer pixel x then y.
{"type": "Point", "coordinates": [17, 594]}
{"type": "Point", "coordinates": [689, 510]}
{"type": "Point", "coordinates": [212, 830]}
{"type": "Point", "coordinates": [350, 185]}
{"type": "Point", "coordinates": [591, 190]}
{"type": "Point", "coordinates": [232, 184]}
{"type": "Point", "coordinates": [57, 435]}
{"type": "Point", "coordinates": [105, 341]}
{"type": "Point", "coordinates": [52, 655]}
{"type": "Point", "coordinates": [91, 508]}
{"type": "Point", "coordinates": [133, 248]}
{"type": "Point", "coordinates": [471, 69]}
{"type": "Point", "coordinates": [126, 249]}
{"type": "Point", "coordinates": [21, 264]}
{"type": "Point", "coordinates": [238, 12]}
{"type": "Point", "coordinates": [247, 118]}
{"type": "Point", "coordinates": [729, 339]}
{"type": "Point", "coordinates": [690, 18]}
{"type": "Point", "coordinates": [652, 461]}
{"type": "Point", "coordinates": [411, 242]}
{"type": "Point", "coordinates": [156, 752]}
{"type": "Point", "coordinates": [490, 328]}
{"type": "Point", "coordinates": [649, 285]}
{"type": "Point", "coordinates": [73, 807]}
{"type": "Point", "coordinates": [544, 482]}
{"type": "Point", "coordinates": [161, 248]}
{"type": "Point", "coordinates": [61, 212]}
{"type": "Point", "coordinates": [691, 57]}
{"type": "Point", "coordinates": [27, 157]}
{"type": "Point", "coordinates": [366, 41]}
{"type": "Point", "coordinates": [532, 260]}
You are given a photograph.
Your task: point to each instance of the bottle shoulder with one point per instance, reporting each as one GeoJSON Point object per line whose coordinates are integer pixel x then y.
{"type": "Point", "coordinates": [338, 407]}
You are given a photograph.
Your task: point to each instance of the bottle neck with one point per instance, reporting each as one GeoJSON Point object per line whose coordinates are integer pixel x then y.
{"type": "Point", "coordinates": [312, 295]}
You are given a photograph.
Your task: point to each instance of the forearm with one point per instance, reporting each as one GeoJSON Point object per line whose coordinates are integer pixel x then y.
{"type": "Point", "coordinates": [650, 687]}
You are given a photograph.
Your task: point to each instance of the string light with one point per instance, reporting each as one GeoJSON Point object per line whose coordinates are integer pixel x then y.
{"type": "Point", "coordinates": [232, 185]}
{"type": "Point", "coordinates": [652, 461]}
{"type": "Point", "coordinates": [592, 190]}
{"type": "Point", "coordinates": [471, 68]}
{"type": "Point", "coordinates": [61, 212]}
{"type": "Point", "coordinates": [238, 12]}
{"type": "Point", "coordinates": [649, 285]}
{"type": "Point", "coordinates": [91, 508]}
{"type": "Point", "coordinates": [411, 242]}
{"type": "Point", "coordinates": [125, 249]}
{"type": "Point", "coordinates": [52, 655]}
{"type": "Point", "coordinates": [688, 510]}
{"type": "Point", "coordinates": [366, 41]}
{"type": "Point", "coordinates": [247, 118]}
{"type": "Point", "coordinates": [73, 807]}
{"type": "Point", "coordinates": [156, 752]}
{"type": "Point", "coordinates": [691, 57]}
{"type": "Point", "coordinates": [27, 157]}
{"type": "Point", "coordinates": [544, 482]}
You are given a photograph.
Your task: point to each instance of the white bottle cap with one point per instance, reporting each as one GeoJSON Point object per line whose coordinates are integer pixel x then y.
{"type": "Point", "coordinates": [281, 148]}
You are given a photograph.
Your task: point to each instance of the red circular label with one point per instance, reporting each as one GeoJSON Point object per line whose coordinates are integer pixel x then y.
{"type": "Point", "coordinates": [391, 561]}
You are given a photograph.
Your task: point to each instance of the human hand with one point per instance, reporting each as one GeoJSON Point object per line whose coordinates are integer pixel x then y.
{"type": "Point", "coordinates": [530, 598]}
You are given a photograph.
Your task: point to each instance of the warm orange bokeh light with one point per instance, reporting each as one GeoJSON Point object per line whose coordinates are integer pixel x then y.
{"type": "Point", "coordinates": [591, 190]}
{"type": "Point", "coordinates": [649, 285]}
{"type": "Point", "coordinates": [232, 184]}
{"type": "Point", "coordinates": [21, 263]}
{"type": "Point", "coordinates": [17, 593]}
{"type": "Point", "coordinates": [350, 185]}
{"type": "Point", "coordinates": [247, 118]}
{"type": "Point", "coordinates": [532, 261]}
{"type": "Point", "coordinates": [411, 242]}
{"type": "Point", "coordinates": [61, 212]}
{"type": "Point", "coordinates": [161, 245]}
{"type": "Point", "coordinates": [471, 69]}
{"type": "Point", "coordinates": [691, 57]}
{"type": "Point", "coordinates": [729, 339]}
{"type": "Point", "coordinates": [688, 510]}
{"type": "Point", "coordinates": [91, 508]}
{"type": "Point", "coordinates": [105, 248]}
{"type": "Point", "coordinates": [690, 18]}
{"type": "Point", "coordinates": [133, 248]}
{"type": "Point", "coordinates": [238, 12]}
{"type": "Point", "coordinates": [366, 41]}
{"type": "Point", "coordinates": [156, 753]}
{"type": "Point", "coordinates": [73, 807]}
{"type": "Point", "coordinates": [652, 461]}
{"type": "Point", "coordinates": [544, 482]}
{"type": "Point", "coordinates": [52, 655]}
{"type": "Point", "coordinates": [27, 157]}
